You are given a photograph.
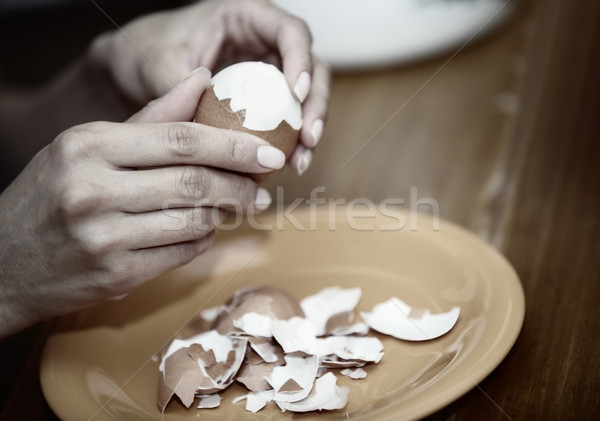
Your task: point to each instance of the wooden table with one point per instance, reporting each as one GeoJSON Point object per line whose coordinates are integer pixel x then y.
{"type": "Point", "coordinates": [505, 136]}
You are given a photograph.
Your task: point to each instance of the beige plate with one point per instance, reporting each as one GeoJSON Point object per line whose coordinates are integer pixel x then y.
{"type": "Point", "coordinates": [102, 363]}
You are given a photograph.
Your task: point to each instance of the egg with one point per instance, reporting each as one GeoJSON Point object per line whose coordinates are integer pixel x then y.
{"type": "Point", "coordinates": [253, 97]}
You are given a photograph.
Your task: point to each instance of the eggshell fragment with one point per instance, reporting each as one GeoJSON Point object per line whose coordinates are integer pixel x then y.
{"type": "Point", "coordinates": [254, 376]}
{"type": "Point", "coordinates": [266, 300]}
{"type": "Point", "coordinates": [256, 401]}
{"type": "Point", "coordinates": [254, 324]}
{"type": "Point", "coordinates": [209, 401]}
{"type": "Point", "coordinates": [203, 364]}
{"type": "Point", "coordinates": [349, 348]}
{"type": "Point", "coordinates": [329, 304]}
{"type": "Point", "coordinates": [302, 371]}
{"type": "Point", "coordinates": [211, 314]}
{"type": "Point", "coordinates": [295, 334]}
{"type": "Point", "coordinates": [252, 357]}
{"type": "Point", "coordinates": [267, 350]}
{"type": "Point", "coordinates": [396, 318]}
{"type": "Point", "coordinates": [210, 340]}
{"type": "Point", "coordinates": [360, 329]}
{"type": "Point", "coordinates": [357, 373]}
{"type": "Point", "coordinates": [286, 361]}
{"type": "Point", "coordinates": [182, 377]}
{"type": "Point", "coordinates": [333, 361]}
{"type": "Point", "coordinates": [290, 386]}
{"type": "Point", "coordinates": [326, 395]}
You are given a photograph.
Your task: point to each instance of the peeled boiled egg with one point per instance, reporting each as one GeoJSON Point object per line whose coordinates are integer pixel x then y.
{"type": "Point", "coordinates": [253, 97]}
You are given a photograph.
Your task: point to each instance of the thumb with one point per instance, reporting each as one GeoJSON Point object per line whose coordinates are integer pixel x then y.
{"type": "Point", "coordinates": [179, 104]}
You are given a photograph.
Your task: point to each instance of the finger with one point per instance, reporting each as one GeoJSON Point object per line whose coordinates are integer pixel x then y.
{"type": "Point", "coordinates": [187, 187]}
{"type": "Point", "coordinates": [314, 109]}
{"type": "Point", "coordinates": [161, 74]}
{"type": "Point", "coordinates": [151, 262]}
{"type": "Point", "coordinates": [294, 44]}
{"type": "Point", "coordinates": [301, 159]}
{"type": "Point", "coordinates": [162, 144]}
{"type": "Point", "coordinates": [292, 38]}
{"type": "Point", "coordinates": [165, 227]}
{"type": "Point", "coordinates": [179, 103]}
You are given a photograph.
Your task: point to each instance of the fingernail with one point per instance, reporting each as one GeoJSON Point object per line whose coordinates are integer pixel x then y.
{"type": "Point", "coordinates": [270, 157]}
{"type": "Point", "coordinates": [316, 131]}
{"type": "Point", "coordinates": [196, 70]}
{"type": "Point", "coordinates": [304, 161]}
{"type": "Point", "coordinates": [263, 199]}
{"type": "Point", "coordinates": [302, 86]}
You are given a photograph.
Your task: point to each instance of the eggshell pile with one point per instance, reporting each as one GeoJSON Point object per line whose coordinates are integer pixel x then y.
{"type": "Point", "coordinates": [253, 97]}
{"type": "Point", "coordinates": [285, 351]}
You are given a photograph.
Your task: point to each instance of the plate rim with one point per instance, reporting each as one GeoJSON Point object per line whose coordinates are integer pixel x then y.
{"type": "Point", "coordinates": [461, 386]}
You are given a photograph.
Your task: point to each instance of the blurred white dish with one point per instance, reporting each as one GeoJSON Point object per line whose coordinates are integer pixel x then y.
{"type": "Point", "coordinates": [356, 34]}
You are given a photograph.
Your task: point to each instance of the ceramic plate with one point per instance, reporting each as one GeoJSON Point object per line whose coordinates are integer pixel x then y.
{"type": "Point", "coordinates": [102, 363]}
{"type": "Point", "coordinates": [358, 34]}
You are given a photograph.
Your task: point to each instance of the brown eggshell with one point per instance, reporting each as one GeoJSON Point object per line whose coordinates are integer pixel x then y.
{"type": "Point", "coordinates": [182, 377]}
{"type": "Point", "coordinates": [338, 321]}
{"type": "Point", "coordinates": [216, 113]}
{"type": "Point", "coordinates": [253, 376]}
{"type": "Point", "coordinates": [266, 300]}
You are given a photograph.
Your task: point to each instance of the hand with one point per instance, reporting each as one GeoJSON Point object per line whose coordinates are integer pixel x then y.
{"type": "Point", "coordinates": [85, 220]}
{"type": "Point", "coordinates": [153, 53]}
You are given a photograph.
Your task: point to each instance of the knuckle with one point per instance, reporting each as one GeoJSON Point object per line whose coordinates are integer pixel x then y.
{"type": "Point", "coordinates": [246, 190]}
{"type": "Point", "coordinates": [186, 252]}
{"type": "Point", "coordinates": [80, 199]}
{"type": "Point", "coordinates": [124, 275]}
{"type": "Point", "coordinates": [240, 192]}
{"type": "Point", "coordinates": [236, 152]}
{"type": "Point", "coordinates": [198, 222]}
{"type": "Point", "coordinates": [192, 183]}
{"type": "Point", "coordinates": [181, 140]}
{"type": "Point", "coordinates": [205, 243]}
{"type": "Point", "coordinates": [94, 245]}
{"type": "Point", "coordinates": [79, 140]}
{"type": "Point", "coordinates": [68, 145]}
{"type": "Point", "coordinates": [191, 249]}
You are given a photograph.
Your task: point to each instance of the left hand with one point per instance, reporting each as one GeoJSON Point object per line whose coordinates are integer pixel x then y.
{"type": "Point", "coordinates": [152, 54]}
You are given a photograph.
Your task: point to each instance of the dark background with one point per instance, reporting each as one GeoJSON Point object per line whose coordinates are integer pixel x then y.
{"type": "Point", "coordinates": [35, 44]}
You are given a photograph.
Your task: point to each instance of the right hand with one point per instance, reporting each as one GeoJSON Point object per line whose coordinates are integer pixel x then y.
{"type": "Point", "coordinates": [147, 55]}
{"type": "Point", "coordinates": [85, 220]}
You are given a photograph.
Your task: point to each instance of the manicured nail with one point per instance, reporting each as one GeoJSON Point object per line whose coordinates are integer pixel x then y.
{"type": "Point", "coordinates": [302, 86]}
{"type": "Point", "coordinates": [316, 131]}
{"type": "Point", "coordinates": [263, 199]}
{"type": "Point", "coordinates": [270, 157]}
{"type": "Point", "coordinates": [304, 161]}
{"type": "Point", "coordinates": [196, 70]}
